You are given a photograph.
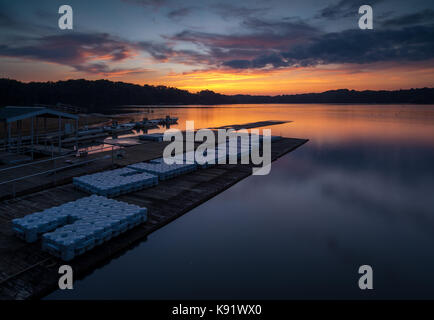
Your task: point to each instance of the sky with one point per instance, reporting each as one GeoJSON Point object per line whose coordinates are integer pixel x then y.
{"type": "Point", "coordinates": [256, 47]}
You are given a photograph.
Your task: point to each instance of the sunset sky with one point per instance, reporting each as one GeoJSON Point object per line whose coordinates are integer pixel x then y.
{"type": "Point", "coordinates": [251, 46]}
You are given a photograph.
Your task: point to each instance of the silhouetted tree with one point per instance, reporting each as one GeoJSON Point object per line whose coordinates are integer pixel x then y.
{"type": "Point", "coordinates": [101, 95]}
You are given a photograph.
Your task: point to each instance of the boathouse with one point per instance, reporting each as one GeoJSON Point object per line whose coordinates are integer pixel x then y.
{"type": "Point", "coordinates": [32, 137]}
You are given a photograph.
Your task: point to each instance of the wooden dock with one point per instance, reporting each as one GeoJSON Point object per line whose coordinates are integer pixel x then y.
{"type": "Point", "coordinates": [28, 272]}
{"type": "Point", "coordinates": [134, 152]}
{"type": "Point", "coordinates": [252, 125]}
{"type": "Point", "coordinates": [92, 163]}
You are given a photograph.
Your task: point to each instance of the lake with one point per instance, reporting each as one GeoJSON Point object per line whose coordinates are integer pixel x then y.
{"type": "Point", "coordinates": [360, 192]}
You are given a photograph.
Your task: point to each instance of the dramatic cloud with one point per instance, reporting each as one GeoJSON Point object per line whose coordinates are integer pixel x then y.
{"type": "Point", "coordinates": [258, 37]}
{"type": "Point", "coordinates": [92, 53]}
{"type": "Point", "coordinates": [159, 51]}
{"type": "Point", "coordinates": [236, 41]}
{"type": "Point", "coordinates": [260, 44]}
{"type": "Point", "coordinates": [261, 40]}
{"type": "Point", "coordinates": [352, 46]}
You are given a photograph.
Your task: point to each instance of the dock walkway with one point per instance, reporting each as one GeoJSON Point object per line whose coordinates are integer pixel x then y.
{"type": "Point", "coordinates": [103, 160]}
{"type": "Point", "coordinates": [28, 272]}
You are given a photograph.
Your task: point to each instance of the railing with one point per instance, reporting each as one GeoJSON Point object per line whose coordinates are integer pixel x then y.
{"type": "Point", "coordinates": [60, 157]}
{"type": "Point", "coordinates": [55, 169]}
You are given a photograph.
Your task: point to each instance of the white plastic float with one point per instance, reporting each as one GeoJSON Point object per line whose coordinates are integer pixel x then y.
{"type": "Point", "coordinates": [75, 227]}
{"type": "Point", "coordinates": [162, 170]}
{"type": "Point", "coordinates": [115, 182]}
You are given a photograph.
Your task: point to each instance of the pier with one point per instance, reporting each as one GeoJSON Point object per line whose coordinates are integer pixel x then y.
{"type": "Point", "coordinates": [28, 272]}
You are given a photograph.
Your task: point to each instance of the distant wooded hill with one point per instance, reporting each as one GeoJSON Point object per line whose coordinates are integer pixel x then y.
{"type": "Point", "coordinates": [99, 95]}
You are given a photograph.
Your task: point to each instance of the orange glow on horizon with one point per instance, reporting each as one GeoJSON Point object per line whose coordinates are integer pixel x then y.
{"type": "Point", "coordinates": [380, 76]}
{"type": "Point", "coordinates": [302, 80]}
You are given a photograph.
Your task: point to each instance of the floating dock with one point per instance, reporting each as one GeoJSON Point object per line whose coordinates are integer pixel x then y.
{"type": "Point", "coordinates": [26, 271]}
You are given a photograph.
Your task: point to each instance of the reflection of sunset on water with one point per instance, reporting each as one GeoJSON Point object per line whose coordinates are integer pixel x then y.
{"type": "Point", "coordinates": [319, 123]}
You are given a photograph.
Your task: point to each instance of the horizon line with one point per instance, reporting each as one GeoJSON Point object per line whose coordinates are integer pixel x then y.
{"type": "Point", "coordinates": [205, 90]}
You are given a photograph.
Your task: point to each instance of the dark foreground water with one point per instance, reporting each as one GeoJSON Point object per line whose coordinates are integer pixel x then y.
{"type": "Point", "coordinates": [361, 191]}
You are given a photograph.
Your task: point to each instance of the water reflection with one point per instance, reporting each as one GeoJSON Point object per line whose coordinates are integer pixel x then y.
{"type": "Point", "coordinates": [360, 192]}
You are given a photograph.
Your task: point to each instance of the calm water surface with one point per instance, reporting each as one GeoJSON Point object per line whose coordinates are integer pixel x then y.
{"type": "Point", "coordinates": [361, 191]}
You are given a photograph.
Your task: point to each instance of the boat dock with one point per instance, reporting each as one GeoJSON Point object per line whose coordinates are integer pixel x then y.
{"type": "Point", "coordinates": [252, 125]}
{"type": "Point", "coordinates": [28, 272]}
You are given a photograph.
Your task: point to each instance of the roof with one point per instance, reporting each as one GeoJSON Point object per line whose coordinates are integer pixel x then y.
{"type": "Point", "coordinates": [11, 114]}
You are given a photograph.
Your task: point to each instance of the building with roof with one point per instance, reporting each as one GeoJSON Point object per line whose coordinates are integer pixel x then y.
{"type": "Point", "coordinates": [12, 116]}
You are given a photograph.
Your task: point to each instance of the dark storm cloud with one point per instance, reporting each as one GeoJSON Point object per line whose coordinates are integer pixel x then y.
{"type": "Point", "coordinates": [238, 64]}
{"type": "Point", "coordinates": [256, 43]}
{"type": "Point", "coordinates": [284, 43]}
{"type": "Point", "coordinates": [260, 45]}
{"type": "Point", "coordinates": [351, 46]}
{"type": "Point", "coordinates": [344, 8]}
{"type": "Point", "coordinates": [422, 17]}
{"type": "Point", "coordinates": [275, 60]}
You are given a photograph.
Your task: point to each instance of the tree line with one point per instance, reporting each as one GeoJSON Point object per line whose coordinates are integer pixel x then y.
{"type": "Point", "coordinates": [99, 95]}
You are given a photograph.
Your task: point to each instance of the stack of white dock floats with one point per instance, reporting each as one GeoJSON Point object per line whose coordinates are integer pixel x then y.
{"type": "Point", "coordinates": [115, 182]}
{"type": "Point", "coordinates": [75, 227]}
